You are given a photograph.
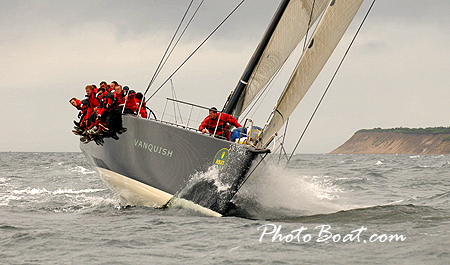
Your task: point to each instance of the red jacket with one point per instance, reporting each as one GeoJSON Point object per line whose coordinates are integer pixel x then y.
{"type": "Point", "coordinates": [78, 104]}
{"type": "Point", "coordinates": [94, 102]}
{"type": "Point", "coordinates": [106, 104]}
{"type": "Point", "coordinates": [119, 99]}
{"type": "Point", "coordinates": [222, 127]}
{"type": "Point", "coordinates": [143, 112]}
{"type": "Point", "coordinates": [84, 108]}
{"type": "Point", "coordinates": [130, 102]}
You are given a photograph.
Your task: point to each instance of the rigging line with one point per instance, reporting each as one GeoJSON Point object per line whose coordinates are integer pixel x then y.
{"type": "Point", "coordinates": [173, 102]}
{"type": "Point", "coordinates": [248, 176]}
{"type": "Point", "coordinates": [201, 44]}
{"type": "Point", "coordinates": [276, 148]}
{"type": "Point", "coordinates": [304, 48]}
{"type": "Point", "coordinates": [174, 95]}
{"type": "Point", "coordinates": [266, 90]}
{"type": "Point", "coordinates": [179, 38]}
{"type": "Point", "coordinates": [332, 78]}
{"type": "Point", "coordinates": [263, 92]}
{"type": "Point", "coordinates": [168, 47]}
{"type": "Point", "coordinates": [166, 56]}
{"type": "Point", "coordinates": [284, 137]}
{"type": "Point", "coordinates": [309, 25]}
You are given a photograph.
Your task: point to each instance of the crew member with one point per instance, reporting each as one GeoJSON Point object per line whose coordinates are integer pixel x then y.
{"type": "Point", "coordinates": [105, 86]}
{"type": "Point", "coordinates": [79, 106]}
{"type": "Point", "coordinates": [218, 123]}
{"type": "Point", "coordinates": [94, 102]}
{"type": "Point", "coordinates": [140, 102]}
{"type": "Point", "coordinates": [115, 117]}
{"type": "Point", "coordinates": [76, 103]}
{"type": "Point", "coordinates": [106, 104]}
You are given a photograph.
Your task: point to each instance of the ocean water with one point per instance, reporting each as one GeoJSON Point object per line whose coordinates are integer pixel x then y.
{"type": "Point", "coordinates": [318, 209]}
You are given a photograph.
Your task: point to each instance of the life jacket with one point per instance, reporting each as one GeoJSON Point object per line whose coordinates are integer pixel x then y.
{"type": "Point", "coordinates": [119, 99]}
{"type": "Point", "coordinates": [93, 100]}
{"type": "Point", "coordinates": [130, 102]}
{"type": "Point", "coordinates": [106, 103]}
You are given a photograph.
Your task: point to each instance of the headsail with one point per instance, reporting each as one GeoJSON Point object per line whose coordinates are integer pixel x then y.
{"type": "Point", "coordinates": [294, 19]}
{"type": "Point", "coordinates": [331, 28]}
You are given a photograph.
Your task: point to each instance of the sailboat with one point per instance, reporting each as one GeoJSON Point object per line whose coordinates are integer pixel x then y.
{"type": "Point", "coordinates": [159, 162]}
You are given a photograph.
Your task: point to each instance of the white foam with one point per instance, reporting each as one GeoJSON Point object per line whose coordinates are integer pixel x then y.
{"type": "Point", "coordinates": [211, 174]}
{"type": "Point", "coordinates": [276, 187]}
{"type": "Point", "coordinates": [82, 170]}
{"type": "Point", "coordinates": [70, 191]}
{"type": "Point", "coordinates": [4, 200]}
{"type": "Point", "coordinates": [34, 191]}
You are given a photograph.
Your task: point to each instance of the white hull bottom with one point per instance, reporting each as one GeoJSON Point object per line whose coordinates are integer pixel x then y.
{"type": "Point", "coordinates": [140, 194]}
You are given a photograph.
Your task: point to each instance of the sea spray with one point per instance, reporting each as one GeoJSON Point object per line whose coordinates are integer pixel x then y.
{"type": "Point", "coordinates": [275, 190]}
{"type": "Point", "coordinates": [205, 188]}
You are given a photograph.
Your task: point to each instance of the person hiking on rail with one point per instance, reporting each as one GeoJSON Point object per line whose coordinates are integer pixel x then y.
{"type": "Point", "coordinates": [219, 120]}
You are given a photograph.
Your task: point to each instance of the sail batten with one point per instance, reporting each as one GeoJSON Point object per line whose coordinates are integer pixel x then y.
{"type": "Point", "coordinates": [329, 31]}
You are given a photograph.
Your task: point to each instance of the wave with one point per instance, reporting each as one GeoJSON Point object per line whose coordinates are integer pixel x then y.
{"type": "Point", "coordinates": [377, 214]}
{"type": "Point", "coordinates": [439, 200]}
{"type": "Point", "coordinates": [34, 191]}
{"type": "Point", "coordinates": [59, 200]}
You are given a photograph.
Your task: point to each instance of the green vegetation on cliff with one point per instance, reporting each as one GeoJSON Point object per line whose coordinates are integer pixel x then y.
{"type": "Point", "coordinates": [430, 130]}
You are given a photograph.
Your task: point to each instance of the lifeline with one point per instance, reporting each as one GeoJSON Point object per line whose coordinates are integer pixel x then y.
{"type": "Point", "coordinates": [153, 148]}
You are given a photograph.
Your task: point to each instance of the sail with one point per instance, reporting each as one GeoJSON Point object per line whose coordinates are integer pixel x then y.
{"type": "Point", "coordinates": [329, 31]}
{"type": "Point", "coordinates": [296, 18]}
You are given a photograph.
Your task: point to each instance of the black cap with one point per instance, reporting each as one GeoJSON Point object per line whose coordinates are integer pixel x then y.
{"type": "Point", "coordinates": [213, 109]}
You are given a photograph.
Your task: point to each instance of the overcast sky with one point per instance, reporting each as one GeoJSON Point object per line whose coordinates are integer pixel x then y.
{"type": "Point", "coordinates": [395, 74]}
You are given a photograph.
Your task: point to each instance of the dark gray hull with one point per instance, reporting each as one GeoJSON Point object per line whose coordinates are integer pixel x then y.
{"type": "Point", "coordinates": [153, 161]}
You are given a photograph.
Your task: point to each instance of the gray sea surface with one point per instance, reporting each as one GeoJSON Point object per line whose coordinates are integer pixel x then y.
{"type": "Point", "coordinates": [318, 209]}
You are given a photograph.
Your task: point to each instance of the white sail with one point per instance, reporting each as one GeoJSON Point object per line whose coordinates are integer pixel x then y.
{"type": "Point", "coordinates": [297, 18]}
{"type": "Point", "coordinates": [329, 31]}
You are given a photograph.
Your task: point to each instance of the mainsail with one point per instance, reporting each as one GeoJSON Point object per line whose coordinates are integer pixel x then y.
{"type": "Point", "coordinates": [294, 19]}
{"type": "Point", "coordinates": [329, 31]}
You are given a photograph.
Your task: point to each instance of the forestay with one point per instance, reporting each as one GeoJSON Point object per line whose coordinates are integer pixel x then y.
{"type": "Point", "coordinates": [298, 16]}
{"type": "Point", "coordinates": [329, 31]}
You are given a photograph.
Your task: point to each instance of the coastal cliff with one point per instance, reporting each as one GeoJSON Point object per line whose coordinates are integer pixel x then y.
{"type": "Point", "coordinates": [428, 141]}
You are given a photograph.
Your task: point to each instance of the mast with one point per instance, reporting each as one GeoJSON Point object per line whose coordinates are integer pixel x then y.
{"type": "Point", "coordinates": [231, 105]}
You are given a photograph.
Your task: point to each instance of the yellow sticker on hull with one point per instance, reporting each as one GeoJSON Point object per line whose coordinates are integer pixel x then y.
{"type": "Point", "coordinates": [221, 158]}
